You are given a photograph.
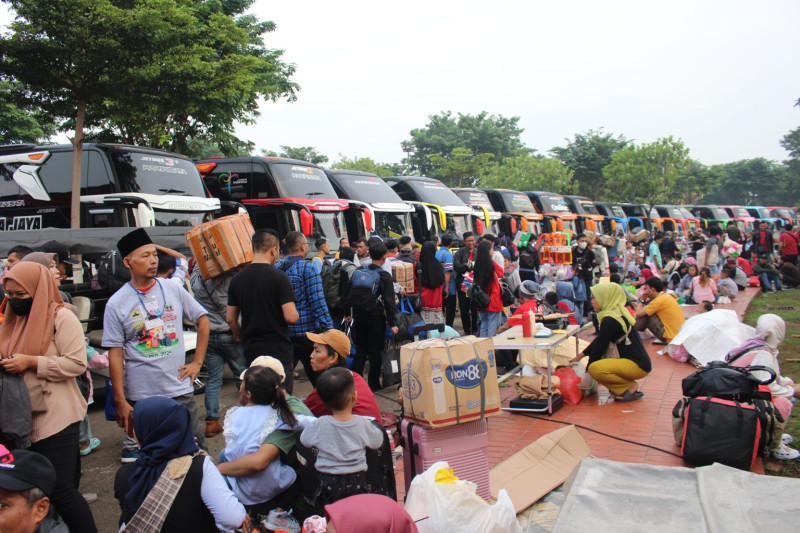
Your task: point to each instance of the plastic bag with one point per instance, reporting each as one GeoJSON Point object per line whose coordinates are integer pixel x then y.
{"type": "Point", "coordinates": [456, 507]}
{"type": "Point", "coordinates": [570, 385]}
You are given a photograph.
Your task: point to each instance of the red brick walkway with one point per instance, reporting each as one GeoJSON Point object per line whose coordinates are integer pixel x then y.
{"type": "Point", "coordinates": [647, 421]}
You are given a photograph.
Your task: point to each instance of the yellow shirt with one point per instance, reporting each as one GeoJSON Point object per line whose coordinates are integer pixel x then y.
{"type": "Point", "coordinates": [670, 313]}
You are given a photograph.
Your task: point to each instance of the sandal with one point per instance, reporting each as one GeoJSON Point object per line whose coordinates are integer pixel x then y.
{"type": "Point", "coordinates": [629, 396]}
{"type": "Point", "coordinates": [93, 443]}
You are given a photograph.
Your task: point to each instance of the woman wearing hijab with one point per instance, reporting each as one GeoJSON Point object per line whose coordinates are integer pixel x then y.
{"type": "Point", "coordinates": [762, 350]}
{"type": "Point", "coordinates": [431, 280]}
{"type": "Point", "coordinates": [43, 340]}
{"type": "Point", "coordinates": [368, 513]}
{"type": "Point", "coordinates": [486, 272]}
{"type": "Point", "coordinates": [204, 502]}
{"type": "Point", "coordinates": [50, 262]}
{"type": "Point", "coordinates": [616, 326]}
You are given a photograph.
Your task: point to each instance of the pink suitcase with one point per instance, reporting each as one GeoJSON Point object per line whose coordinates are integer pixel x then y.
{"type": "Point", "coordinates": [465, 447]}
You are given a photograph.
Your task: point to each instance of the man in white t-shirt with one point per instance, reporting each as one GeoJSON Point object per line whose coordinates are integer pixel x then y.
{"type": "Point", "coordinates": [143, 331]}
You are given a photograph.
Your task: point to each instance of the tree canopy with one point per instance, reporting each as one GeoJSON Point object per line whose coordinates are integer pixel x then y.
{"type": "Point", "coordinates": [586, 155]}
{"type": "Point", "coordinates": [530, 173]}
{"type": "Point", "coordinates": [756, 181]}
{"type": "Point", "coordinates": [17, 124]}
{"type": "Point", "coordinates": [303, 153]}
{"type": "Point", "coordinates": [366, 164]}
{"type": "Point", "coordinates": [480, 134]}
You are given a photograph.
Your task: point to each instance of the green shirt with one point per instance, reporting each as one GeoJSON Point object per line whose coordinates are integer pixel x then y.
{"type": "Point", "coordinates": [285, 439]}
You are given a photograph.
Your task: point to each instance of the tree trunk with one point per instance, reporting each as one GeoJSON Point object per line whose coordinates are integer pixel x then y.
{"type": "Point", "coordinates": [77, 158]}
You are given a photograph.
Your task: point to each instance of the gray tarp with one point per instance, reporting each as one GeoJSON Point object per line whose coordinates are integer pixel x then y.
{"type": "Point", "coordinates": [92, 240]}
{"type": "Point", "coordinates": [609, 496]}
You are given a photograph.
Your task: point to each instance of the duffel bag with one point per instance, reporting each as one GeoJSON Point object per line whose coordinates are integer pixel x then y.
{"type": "Point", "coordinates": [720, 431]}
{"type": "Point", "coordinates": [719, 380]}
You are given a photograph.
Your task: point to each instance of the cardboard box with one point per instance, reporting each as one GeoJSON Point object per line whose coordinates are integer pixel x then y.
{"type": "Point", "coordinates": [221, 245]}
{"type": "Point", "coordinates": [447, 382]}
{"type": "Point", "coordinates": [403, 273]}
{"type": "Point", "coordinates": [540, 467]}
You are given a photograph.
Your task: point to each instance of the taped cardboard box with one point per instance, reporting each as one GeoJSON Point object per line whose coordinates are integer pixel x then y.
{"type": "Point", "coordinates": [403, 273]}
{"type": "Point", "coordinates": [540, 467]}
{"type": "Point", "coordinates": [448, 382]}
{"type": "Point", "coordinates": [221, 245]}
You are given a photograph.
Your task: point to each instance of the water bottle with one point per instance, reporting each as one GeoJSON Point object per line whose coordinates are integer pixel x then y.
{"type": "Point", "coordinates": [437, 377]}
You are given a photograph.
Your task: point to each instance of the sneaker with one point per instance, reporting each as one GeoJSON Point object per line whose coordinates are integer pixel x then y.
{"type": "Point", "coordinates": [129, 456]}
{"type": "Point", "coordinates": [281, 520]}
{"type": "Point", "coordinates": [786, 439]}
{"type": "Point", "coordinates": [784, 453]}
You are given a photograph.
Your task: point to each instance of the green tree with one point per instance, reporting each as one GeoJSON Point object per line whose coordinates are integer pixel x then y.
{"type": "Point", "coordinates": [461, 167]}
{"type": "Point", "coordinates": [303, 153]}
{"type": "Point", "coordinates": [695, 180]}
{"type": "Point", "coordinates": [791, 143]}
{"type": "Point", "coordinates": [17, 124]}
{"type": "Point", "coordinates": [148, 72]}
{"type": "Point", "coordinates": [480, 134]}
{"type": "Point", "coordinates": [646, 173]}
{"type": "Point", "coordinates": [753, 182]}
{"type": "Point", "coordinates": [366, 164]}
{"type": "Point", "coordinates": [530, 173]}
{"type": "Point", "coordinates": [586, 155]}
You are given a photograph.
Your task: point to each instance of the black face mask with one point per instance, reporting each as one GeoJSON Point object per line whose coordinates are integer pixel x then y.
{"type": "Point", "coordinates": [20, 306]}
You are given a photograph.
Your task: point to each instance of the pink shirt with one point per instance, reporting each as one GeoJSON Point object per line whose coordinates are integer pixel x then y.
{"type": "Point", "coordinates": [700, 293]}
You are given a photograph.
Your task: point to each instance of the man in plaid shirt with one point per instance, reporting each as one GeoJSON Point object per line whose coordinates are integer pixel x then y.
{"type": "Point", "coordinates": [311, 306]}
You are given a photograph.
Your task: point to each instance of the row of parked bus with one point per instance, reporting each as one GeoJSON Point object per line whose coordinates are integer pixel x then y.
{"type": "Point", "coordinates": [126, 186]}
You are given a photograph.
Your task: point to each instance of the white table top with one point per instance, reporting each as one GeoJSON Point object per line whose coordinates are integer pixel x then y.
{"type": "Point", "coordinates": [512, 339]}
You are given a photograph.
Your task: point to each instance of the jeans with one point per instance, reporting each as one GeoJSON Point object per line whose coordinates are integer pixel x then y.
{"type": "Point", "coordinates": [221, 349]}
{"type": "Point", "coordinates": [63, 450]}
{"type": "Point", "coordinates": [85, 430]}
{"type": "Point", "coordinates": [490, 321]}
{"type": "Point", "coordinates": [767, 278]}
{"type": "Point", "coordinates": [199, 430]}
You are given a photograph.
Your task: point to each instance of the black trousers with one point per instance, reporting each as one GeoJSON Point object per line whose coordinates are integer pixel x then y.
{"type": "Point", "coordinates": [449, 309]}
{"type": "Point", "coordinates": [302, 348]}
{"type": "Point", "coordinates": [369, 334]}
{"type": "Point", "coordinates": [63, 450]}
{"type": "Point", "coordinates": [469, 315]}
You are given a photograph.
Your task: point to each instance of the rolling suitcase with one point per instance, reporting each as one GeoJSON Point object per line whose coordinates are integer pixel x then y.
{"type": "Point", "coordinates": [465, 447]}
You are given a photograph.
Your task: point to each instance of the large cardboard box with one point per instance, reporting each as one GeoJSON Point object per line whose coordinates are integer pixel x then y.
{"type": "Point", "coordinates": [403, 273]}
{"type": "Point", "coordinates": [540, 467]}
{"type": "Point", "coordinates": [221, 245]}
{"type": "Point", "coordinates": [447, 382]}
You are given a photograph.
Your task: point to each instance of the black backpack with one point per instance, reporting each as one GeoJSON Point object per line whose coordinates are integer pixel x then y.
{"type": "Point", "coordinates": [334, 281]}
{"type": "Point", "coordinates": [111, 273]}
{"type": "Point", "coordinates": [529, 257]}
{"type": "Point", "coordinates": [720, 380]}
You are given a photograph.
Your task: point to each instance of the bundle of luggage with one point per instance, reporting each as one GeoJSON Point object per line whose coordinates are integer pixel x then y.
{"type": "Point", "coordinates": [727, 416]}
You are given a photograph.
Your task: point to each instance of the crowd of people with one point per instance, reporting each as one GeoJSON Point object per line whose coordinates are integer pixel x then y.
{"type": "Point", "coordinates": [334, 315]}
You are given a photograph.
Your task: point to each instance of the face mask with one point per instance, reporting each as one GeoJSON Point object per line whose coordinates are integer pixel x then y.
{"type": "Point", "coordinates": [581, 245]}
{"type": "Point", "coordinates": [20, 306]}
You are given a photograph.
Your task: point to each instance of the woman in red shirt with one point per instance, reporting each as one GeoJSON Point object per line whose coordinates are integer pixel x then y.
{"type": "Point", "coordinates": [486, 273]}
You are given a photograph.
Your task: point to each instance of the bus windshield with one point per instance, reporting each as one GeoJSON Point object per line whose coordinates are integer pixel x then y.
{"type": "Point", "coordinates": [518, 202]}
{"type": "Point", "coordinates": [588, 207]}
{"type": "Point", "coordinates": [300, 181]}
{"type": "Point", "coordinates": [369, 189]}
{"type": "Point", "coordinates": [475, 199]}
{"type": "Point", "coordinates": [741, 212]}
{"type": "Point", "coordinates": [434, 192]}
{"type": "Point", "coordinates": [158, 174]}
{"type": "Point", "coordinates": [393, 225]}
{"type": "Point", "coordinates": [553, 204]}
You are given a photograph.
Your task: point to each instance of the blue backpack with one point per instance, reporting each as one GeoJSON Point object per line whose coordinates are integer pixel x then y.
{"type": "Point", "coordinates": [363, 290]}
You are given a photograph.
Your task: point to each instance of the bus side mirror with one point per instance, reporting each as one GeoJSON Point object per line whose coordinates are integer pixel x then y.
{"type": "Point", "coordinates": [479, 226]}
{"type": "Point", "coordinates": [368, 221]}
{"type": "Point", "coordinates": [306, 223]}
{"type": "Point", "coordinates": [513, 224]}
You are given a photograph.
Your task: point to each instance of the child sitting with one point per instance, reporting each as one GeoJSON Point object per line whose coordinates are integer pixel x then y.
{"type": "Point", "coordinates": [704, 307]}
{"type": "Point", "coordinates": [727, 286]}
{"type": "Point", "coordinates": [341, 439]}
{"type": "Point", "coordinates": [262, 410]}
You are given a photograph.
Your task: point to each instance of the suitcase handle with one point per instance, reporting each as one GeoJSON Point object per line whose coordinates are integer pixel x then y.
{"type": "Point", "coordinates": [429, 327]}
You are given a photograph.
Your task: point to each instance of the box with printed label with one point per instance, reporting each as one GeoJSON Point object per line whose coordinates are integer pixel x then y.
{"type": "Point", "coordinates": [403, 273]}
{"type": "Point", "coordinates": [221, 245]}
{"type": "Point", "coordinates": [448, 382]}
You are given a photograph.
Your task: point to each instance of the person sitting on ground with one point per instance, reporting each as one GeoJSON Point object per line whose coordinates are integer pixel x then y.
{"type": "Point", "coordinates": [369, 513]}
{"type": "Point", "coordinates": [204, 502]}
{"type": "Point", "coordinates": [684, 288]}
{"type": "Point", "coordinates": [262, 410]}
{"type": "Point", "coordinates": [557, 304]}
{"type": "Point", "coordinates": [705, 306]}
{"type": "Point", "coordinates": [341, 439]}
{"type": "Point", "coordinates": [762, 350]}
{"type": "Point", "coordinates": [662, 315]}
{"type": "Point", "coordinates": [768, 276]}
{"type": "Point", "coordinates": [726, 286]}
{"type": "Point", "coordinates": [790, 273]}
{"type": "Point", "coordinates": [528, 297]}
{"type": "Point", "coordinates": [619, 375]}
{"type": "Point", "coordinates": [330, 350]}
{"type": "Point", "coordinates": [704, 287]}
{"type": "Point", "coordinates": [739, 276]}
{"type": "Point", "coordinates": [26, 481]}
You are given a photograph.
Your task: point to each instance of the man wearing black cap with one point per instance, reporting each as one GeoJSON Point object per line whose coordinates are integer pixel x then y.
{"type": "Point", "coordinates": [463, 261]}
{"type": "Point", "coordinates": [26, 481]}
{"type": "Point", "coordinates": [143, 326]}
{"type": "Point", "coordinates": [64, 257]}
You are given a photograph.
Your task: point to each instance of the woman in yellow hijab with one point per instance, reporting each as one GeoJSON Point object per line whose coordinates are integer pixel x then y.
{"type": "Point", "coordinates": [619, 375]}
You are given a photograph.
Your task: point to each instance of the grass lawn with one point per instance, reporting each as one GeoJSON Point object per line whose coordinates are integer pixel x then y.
{"type": "Point", "coordinates": [785, 304]}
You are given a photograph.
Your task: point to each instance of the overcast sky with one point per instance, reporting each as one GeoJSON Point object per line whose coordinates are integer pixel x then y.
{"type": "Point", "coordinates": [721, 75]}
